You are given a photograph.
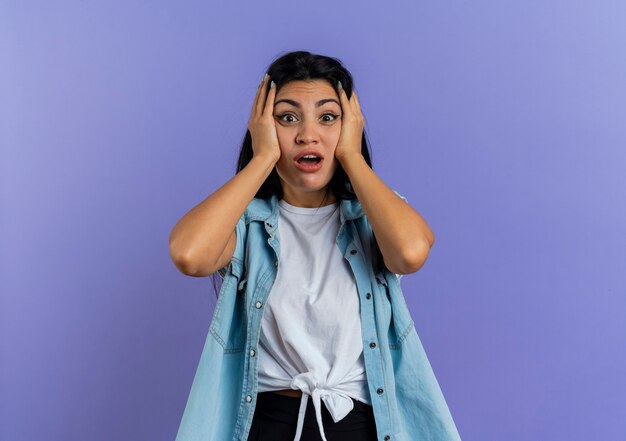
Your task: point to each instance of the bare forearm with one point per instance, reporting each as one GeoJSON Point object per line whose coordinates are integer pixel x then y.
{"type": "Point", "coordinates": [403, 236]}
{"type": "Point", "coordinates": [204, 231]}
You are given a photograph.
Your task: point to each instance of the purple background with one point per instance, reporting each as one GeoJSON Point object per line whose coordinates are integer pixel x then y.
{"type": "Point", "coordinates": [503, 124]}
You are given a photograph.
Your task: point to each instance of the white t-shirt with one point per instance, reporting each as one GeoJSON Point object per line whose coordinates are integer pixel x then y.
{"type": "Point", "coordinates": [311, 326]}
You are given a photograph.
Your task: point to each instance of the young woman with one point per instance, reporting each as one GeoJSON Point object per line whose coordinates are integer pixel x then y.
{"type": "Point", "coordinates": [310, 244]}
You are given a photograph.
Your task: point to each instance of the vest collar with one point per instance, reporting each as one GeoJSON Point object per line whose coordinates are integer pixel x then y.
{"type": "Point", "coordinates": [266, 210]}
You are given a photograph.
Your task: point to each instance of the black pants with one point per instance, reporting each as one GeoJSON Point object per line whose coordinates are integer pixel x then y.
{"type": "Point", "coordinates": [276, 416]}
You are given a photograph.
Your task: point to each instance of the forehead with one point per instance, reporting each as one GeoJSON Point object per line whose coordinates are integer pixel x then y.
{"type": "Point", "coordinates": [305, 90]}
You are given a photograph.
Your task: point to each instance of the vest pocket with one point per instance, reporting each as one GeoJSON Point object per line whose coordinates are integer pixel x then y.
{"type": "Point", "coordinates": [228, 322]}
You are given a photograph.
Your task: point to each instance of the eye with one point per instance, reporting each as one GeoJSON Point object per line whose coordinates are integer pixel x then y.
{"type": "Point", "coordinates": [282, 117]}
{"type": "Point", "coordinates": [334, 117]}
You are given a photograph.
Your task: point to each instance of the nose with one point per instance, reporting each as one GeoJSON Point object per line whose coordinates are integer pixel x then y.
{"type": "Point", "coordinates": [307, 133]}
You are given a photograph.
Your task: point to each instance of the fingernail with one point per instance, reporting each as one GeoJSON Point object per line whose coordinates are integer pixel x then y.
{"type": "Point", "coordinates": [265, 76]}
{"type": "Point", "coordinates": [339, 83]}
{"type": "Point", "coordinates": [271, 84]}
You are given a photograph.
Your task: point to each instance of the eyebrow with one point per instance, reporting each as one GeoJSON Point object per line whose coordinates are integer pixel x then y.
{"type": "Point", "coordinates": [297, 104]}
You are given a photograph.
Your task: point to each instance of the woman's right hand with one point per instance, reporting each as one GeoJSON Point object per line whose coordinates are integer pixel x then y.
{"type": "Point", "coordinates": [261, 124]}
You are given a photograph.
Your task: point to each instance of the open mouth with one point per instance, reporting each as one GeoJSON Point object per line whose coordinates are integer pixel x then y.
{"type": "Point", "coordinates": [309, 159]}
{"type": "Point", "coordinates": [309, 163]}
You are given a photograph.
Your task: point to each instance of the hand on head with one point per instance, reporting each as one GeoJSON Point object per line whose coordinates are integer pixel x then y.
{"type": "Point", "coordinates": [261, 124]}
{"type": "Point", "coordinates": [352, 124]}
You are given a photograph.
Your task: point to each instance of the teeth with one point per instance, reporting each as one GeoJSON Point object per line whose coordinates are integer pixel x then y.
{"type": "Point", "coordinates": [310, 156]}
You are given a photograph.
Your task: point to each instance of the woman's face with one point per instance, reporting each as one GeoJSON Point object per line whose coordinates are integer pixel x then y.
{"type": "Point", "coordinates": [308, 120]}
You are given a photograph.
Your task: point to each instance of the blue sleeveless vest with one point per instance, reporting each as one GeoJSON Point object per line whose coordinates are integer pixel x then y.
{"type": "Point", "coordinates": [406, 398]}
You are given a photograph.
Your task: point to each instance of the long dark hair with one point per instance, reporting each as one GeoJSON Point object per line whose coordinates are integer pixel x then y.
{"type": "Point", "coordinates": [304, 66]}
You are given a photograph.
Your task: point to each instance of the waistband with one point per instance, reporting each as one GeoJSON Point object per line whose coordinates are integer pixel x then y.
{"type": "Point", "coordinates": [288, 410]}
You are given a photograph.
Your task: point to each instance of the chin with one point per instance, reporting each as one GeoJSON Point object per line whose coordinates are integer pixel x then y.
{"type": "Point", "coordinates": [315, 186]}
{"type": "Point", "coordinates": [305, 184]}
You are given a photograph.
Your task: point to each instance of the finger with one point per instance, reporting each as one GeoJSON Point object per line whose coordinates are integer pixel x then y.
{"type": "Point", "coordinates": [345, 104]}
{"type": "Point", "coordinates": [262, 96]}
{"type": "Point", "coordinates": [257, 95]}
{"type": "Point", "coordinates": [269, 104]}
{"type": "Point", "coordinates": [357, 105]}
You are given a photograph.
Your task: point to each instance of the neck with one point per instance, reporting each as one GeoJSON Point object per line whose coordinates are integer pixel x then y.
{"type": "Point", "coordinates": [310, 200]}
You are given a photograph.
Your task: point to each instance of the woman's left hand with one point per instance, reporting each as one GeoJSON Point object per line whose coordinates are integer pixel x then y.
{"type": "Point", "coordinates": [352, 123]}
